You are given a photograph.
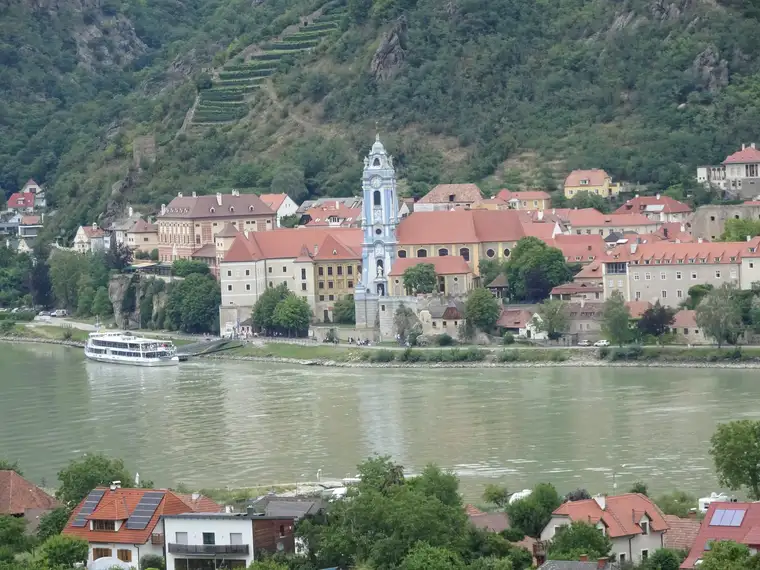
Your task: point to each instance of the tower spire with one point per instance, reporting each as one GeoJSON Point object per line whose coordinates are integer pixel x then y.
{"type": "Point", "coordinates": [377, 131]}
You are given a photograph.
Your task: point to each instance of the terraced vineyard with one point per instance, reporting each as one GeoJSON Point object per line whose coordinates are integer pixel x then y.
{"type": "Point", "coordinates": [227, 100]}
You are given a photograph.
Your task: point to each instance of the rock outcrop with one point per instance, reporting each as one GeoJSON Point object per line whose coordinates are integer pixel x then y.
{"type": "Point", "coordinates": [710, 72]}
{"type": "Point", "coordinates": [391, 53]}
{"type": "Point", "coordinates": [131, 295]}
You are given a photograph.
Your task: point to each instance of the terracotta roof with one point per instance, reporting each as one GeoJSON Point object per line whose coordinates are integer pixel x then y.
{"type": "Point", "coordinates": [589, 217]}
{"type": "Point", "coordinates": [747, 154]}
{"type": "Point", "coordinates": [585, 310]}
{"type": "Point", "coordinates": [446, 265]}
{"type": "Point", "coordinates": [595, 177]}
{"type": "Point", "coordinates": [143, 227]}
{"type": "Point", "coordinates": [524, 195]}
{"type": "Point", "coordinates": [189, 207]}
{"type": "Point", "coordinates": [21, 200]}
{"type": "Point", "coordinates": [290, 243]}
{"type": "Point", "coordinates": [748, 532]}
{"type": "Point", "coordinates": [320, 215]}
{"type": "Point", "coordinates": [514, 318]}
{"type": "Point", "coordinates": [274, 201]}
{"type": "Point", "coordinates": [621, 516]}
{"type": "Point", "coordinates": [31, 182]}
{"type": "Point", "coordinates": [591, 271]}
{"type": "Point", "coordinates": [472, 510]}
{"type": "Point", "coordinates": [638, 308]}
{"type": "Point", "coordinates": [653, 204]}
{"type": "Point", "coordinates": [499, 281]}
{"type": "Point", "coordinates": [460, 227]}
{"type": "Point", "coordinates": [697, 253]}
{"type": "Point", "coordinates": [122, 502]}
{"type": "Point", "coordinates": [575, 288]}
{"type": "Point", "coordinates": [543, 230]}
{"type": "Point", "coordinates": [675, 231]}
{"type": "Point", "coordinates": [207, 251]}
{"type": "Point", "coordinates": [17, 495]}
{"type": "Point", "coordinates": [460, 192]}
{"type": "Point", "coordinates": [685, 318]}
{"type": "Point", "coordinates": [333, 250]}
{"type": "Point", "coordinates": [501, 204]}
{"type": "Point", "coordinates": [93, 231]}
{"type": "Point", "coordinates": [579, 249]}
{"type": "Point", "coordinates": [752, 203]}
{"type": "Point", "coordinates": [30, 220]}
{"type": "Point", "coordinates": [495, 522]}
{"type": "Point", "coordinates": [682, 532]}
{"type": "Point", "coordinates": [227, 231]}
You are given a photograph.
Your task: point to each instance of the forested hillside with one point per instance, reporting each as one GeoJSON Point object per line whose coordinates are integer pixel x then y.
{"type": "Point", "coordinates": [497, 91]}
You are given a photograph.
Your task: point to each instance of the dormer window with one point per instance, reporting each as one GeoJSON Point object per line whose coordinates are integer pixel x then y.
{"type": "Point", "coordinates": [645, 527]}
{"type": "Point", "coordinates": [451, 197]}
{"type": "Point", "coordinates": [584, 182]}
{"type": "Point", "coordinates": [104, 525]}
{"type": "Point", "coordinates": [376, 162]}
{"type": "Point", "coordinates": [232, 210]}
{"type": "Point", "coordinates": [250, 208]}
{"type": "Point", "coordinates": [212, 210]}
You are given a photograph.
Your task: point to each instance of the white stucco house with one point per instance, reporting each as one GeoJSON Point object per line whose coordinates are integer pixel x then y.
{"type": "Point", "coordinates": [634, 524]}
{"type": "Point", "coordinates": [91, 239]}
{"type": "Point", "coordinates": [282, 204]}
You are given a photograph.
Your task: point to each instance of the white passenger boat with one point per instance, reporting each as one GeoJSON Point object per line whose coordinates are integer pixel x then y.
{"type": "Point", "coordinates": [126, 348]}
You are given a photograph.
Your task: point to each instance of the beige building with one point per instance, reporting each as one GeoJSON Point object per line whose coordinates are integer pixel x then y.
{"type": "Point", "coordinates": [454, 275]}
{"type": "Point", "coordinates": [321, 265]}
{"type": "Point", "coordinates": [686, 328]}
{"type": "Point", "coordinates": [142, 236]}
{"type": "Point", "coordinates": [738, 174]}
{"type": "Point", "coordinates": [588, 221]}
{"type": "Point", "coordinates": [594, 181]}
{"type": "Point", "coordinates": [449, 197]}
{"type": "Point", "coordinates": [709, 222]}
{"type": "Point", "coordinates": [659, 208]}
{"type": "Point", "coordinates": [585, 319]}
{"type": "Point", "coordinates": [664, 271]}
{"type": "Point", "coordinates": [526, 200]}
{"type": "Point", "coordinates": [442, 317]}
{"type": "Point", "coordinates": [91, 239]}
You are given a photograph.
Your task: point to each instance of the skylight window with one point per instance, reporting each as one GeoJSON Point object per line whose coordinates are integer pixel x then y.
{"type": "Point", "coordinates": [727, 517]}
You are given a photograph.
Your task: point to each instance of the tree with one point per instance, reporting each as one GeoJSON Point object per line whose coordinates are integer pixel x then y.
{"type": "Point", "coordinates": [290, 221]}
{"type": "Point", "coordinates": [101, 304]}
{"type": "Point", "coordinates": [735, 449]}
{"type": "Point", "coordinates": [481, 309]}
{"type": "Point", "coordinates": [656, 320]}
{"type": "Point", "coordinates": [118, 256]}
{"type": "Point", "coordinates": [185, 267]}
{"type": "Point", "coordinates": [6, 465]}
{"type": "Point", "coordinates": [82, 475]}
{"type": "Point", "coordinates": [263, 310]}
{"type": "Point", "coordinates": [677, 503]}
{"type": "Point", "coordinates": [344, 311]}
{"type": "Point", "coordinates": [491, 563]}
{"type": "Point", "coordinates": [420, 278]}
{"type": "Point", "coordinates": [293, 314]}
{"type": "Point", "coordinates": [534, 269]}
{"type": "Point", "coordinates": [63, 550]}
{"type": "Point", "coordinates": [616, 319]}
{"type": "Point", "coordinates": [695, 295]}
{"type": "Point", "coordinates": [13, 533]}
{"type": "Point", "coordinates": [152, 561]}
{"type": "Point", "coordinates": [66, 269]}
{"type": "Point", "coordinates": [404, 321]}
{"type": "Point", "coordinates": [719, 315]}
{"type": "Point", "coordinates": [663, 559]}
{"type": "Point", "coordinates": [489, 269]}
{"type": "Point", "coordinates": [52, 523]}
{"type": "Point", "coordinates": [739, 230]}
{"type": "Point", "coordinates": [424, 557]}
{"type": "Point", "coordinates": [85, 299]}
{"type": "Point", "coordinates": [496, 495]}
{"type": "Point", "coordinates": [532, 513]}
{"type": "Point", "coordinates": [577, 495]}
{"type": "Point", "coordinates": [728, 555]}
{"type": "Point", "coordinates": [154, 254]}
{"type": "Point", "coordinates": [640, 487]}
{"type": "Point", "coordinates": [579, 538]}
{"type": "Point", "coordinates": [553, 318]}
{"type": "Point", "coordinates": [289, 179]}
{"type": "Point", "coordinates": [267, 564]}
{"type": "Point", "coordinates": [193, 304]}
{"type": "Point", "coordinates": [584, 200]}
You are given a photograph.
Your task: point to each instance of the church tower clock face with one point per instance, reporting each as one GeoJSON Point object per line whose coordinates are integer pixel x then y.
{"type": "Point", "coordinates": [375, 182]}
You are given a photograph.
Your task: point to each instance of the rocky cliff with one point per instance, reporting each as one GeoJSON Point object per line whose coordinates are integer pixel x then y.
{"type": "Point", "coordinates": [138, 302]}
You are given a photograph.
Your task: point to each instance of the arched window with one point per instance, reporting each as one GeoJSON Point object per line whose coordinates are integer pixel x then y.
{"type": "Point", "coordinates": [443, 252]}
{"type": "Point", "coordinates": [402, 253]}
{"type": "Point", "coordinates": [506, 252]}
{"type": "Point", "coordinates": [376, 162]}
{"type": "Point", "coordinates": [421, 253]}
{"type": "Point", "coordinates": [376, 198]}
{"type": "Point", "coordinates": [465, 252]}
{"type": "Point", "coordinates": [490, 253]}
{"type": "Point", "coordinates": [232, 209]}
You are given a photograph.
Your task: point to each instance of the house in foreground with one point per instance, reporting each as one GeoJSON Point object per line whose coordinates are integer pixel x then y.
{"type": "Point", "coordinates": [739, 522]}
{"type": "Point", "coordinates": [634, 524]}
{"type": "Point", "coordinates": [20, 498]}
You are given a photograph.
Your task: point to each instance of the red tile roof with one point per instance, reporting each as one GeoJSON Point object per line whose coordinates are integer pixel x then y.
{"type": "Point", "coordinates": [460, 227]}
{"type": "Point", "coordinates": [508, 195]}
{"type": "Point", "coordinates": [121, 503]}
{"type": "Point", "coordinates": [653, 204]}
{"type": "Point", "coordinates": [472, 510]}
{"type": "Point", "coordinates": [446, 265]}
{"type": "Point", "coordinates": [747, 154]}
{"type": "Point", "coordinates": [17, 494]}
{"type": "Point", "coordinates": [685, 318]}
{"type": "Point", "coordinates": [514, 318]}
{"type": "Point", "coordinates": [189, 207]}
{"type": "Point", "coordinates": [320, 215]}
{"type": "Point", "coordinates": [576, 288]}
{"type": "Point", "coordinates": [675, 231]}
{"type": "Point", "coordinates": [143, 227]}
{"type": "Point", "coordinates": [229, 230]}
{"type": "Point", "coordinates": [621, 516]}
{"type": "Point", "coordinates": [30, 220]}
{"type": "Point", "coordinates": [274, 201]}
{"type": "Point", "coordinates": [591, 271]}
{"type": "Point", "coordinates": [206, 252]}
{"type": "Point", "coordinates": [494, 522]}
{"type": "Point", "coordinates": [579, 249]}
{"type": "Point", "coordinates": [443, 192]}
{"type": "Point", "coordinates": [93, 231]}
{"type": "Point", "coordinates": [21, 200]}
{"type": "Point", "coordinates": [333, 250]}
{"type": "Point", "coordinates": [747, 533]}
{"type": "Point", "coordinates": [689, 253]}
{"type": "Point", "coordinates": [638, 308]}
{"type": "Point", "coordinates": [290, 243]}
{"type": "Point", "coordinates": [595, 177]}
{"type": "Point", "coordinates": [589, 217]}
{"type": "Point", "coordinates": [682, 532]}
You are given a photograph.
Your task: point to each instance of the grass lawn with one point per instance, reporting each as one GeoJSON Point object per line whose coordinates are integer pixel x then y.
{"type": "Point", "coordinates": [54, 332]}
{"type": "Point", "coordinates": [283, 350]}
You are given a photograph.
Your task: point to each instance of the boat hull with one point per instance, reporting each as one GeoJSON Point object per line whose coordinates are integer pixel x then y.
{"type": "Point", "coordinates": [150, 362]}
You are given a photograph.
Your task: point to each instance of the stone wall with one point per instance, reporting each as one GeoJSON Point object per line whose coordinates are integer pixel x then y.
{"type": "Point", "coordinates": [709, 222]}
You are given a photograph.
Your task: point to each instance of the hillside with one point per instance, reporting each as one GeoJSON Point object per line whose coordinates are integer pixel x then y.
{"type": "Point", "coordinates": [504, 91]}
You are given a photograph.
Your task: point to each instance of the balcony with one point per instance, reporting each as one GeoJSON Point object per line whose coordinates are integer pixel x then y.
{"type": "Point", "coordinates": [208, 549]}
{"type": "Point", "coordinates": [157, 538]}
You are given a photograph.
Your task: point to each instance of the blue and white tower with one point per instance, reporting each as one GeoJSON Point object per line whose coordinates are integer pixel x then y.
{"type": "Point", "coordinates": [380, 217]}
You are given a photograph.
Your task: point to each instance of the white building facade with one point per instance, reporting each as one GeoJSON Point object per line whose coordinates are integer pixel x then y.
{"type": "Point", "coordinates": [196, 541]}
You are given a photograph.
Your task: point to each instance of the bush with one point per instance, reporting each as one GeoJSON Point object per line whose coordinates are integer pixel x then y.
{"type": "Point", "coordinates": [7, 327]}
{"type": "Point", "coordinates": [409, 355]}
{"type": "Point", "coordinates": [152, 561]}
{"type": "Point", "coordinates": [19, 316]}
{"type": "Point", "coordinates": [557, 356]}
{"type": "Point", "coordinates": [444, 340]}
{"type": "Point", "coordinates": [509, 356]}
{"type": "Point", "coordinates": [383, 355]}
{"type": "Point", "coordinates": [508, 338]}
{"type": "Point", "coordinates": [626, 353]}
{"type": "Point", "coordinates": [513, 534]}
{"type": "Point", "coordinates": [67, 334]}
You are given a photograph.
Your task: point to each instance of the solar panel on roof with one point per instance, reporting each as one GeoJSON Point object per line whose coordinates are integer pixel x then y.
{"type": "Point", "coordinates": [738, 517]}
{"type": "Point", "coordinates": [144, 510]}
{"type": "Point", "coordinates": [90, 504]}
{"type": "Point", "coordinates": [727, 517]}
{"type": "Point", "coordinates": [717, 517]}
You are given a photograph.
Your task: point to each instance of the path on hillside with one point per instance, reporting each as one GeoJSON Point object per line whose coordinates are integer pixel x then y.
{"type": "Point", "coordinates": [255, 49]}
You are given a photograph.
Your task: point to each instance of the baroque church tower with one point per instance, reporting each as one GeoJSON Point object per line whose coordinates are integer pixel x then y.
{"type": "Point", "coordinates": [379, 220]}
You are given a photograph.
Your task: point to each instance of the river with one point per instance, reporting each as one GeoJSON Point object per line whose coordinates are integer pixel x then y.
{"type": "Point", "coordinates": [213, 423]}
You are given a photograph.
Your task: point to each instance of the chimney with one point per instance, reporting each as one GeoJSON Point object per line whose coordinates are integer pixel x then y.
{"type": "Point", "coordinates": [749, 238]}
{"type": "Point", "coordinates": [131, 212]}
{"type": "Point", "coordinates": [601, 500]}
{"type": "Point", "coordinates": [219, 198]}
{"type": "Point", "coordinates": [316, 249]}
{"type": "Point", "coordinates": [337, 204]}
{"type": "Point", "coordinates": [601, 564]}
{"type": "Point", "coordinates": [194, 194]}
{"type": "Point", "coordinates": [250, 511]}
{"type": "Point", "coordinates": [163, 209]}
{"type": "Point", "coordinates": [540, 215]}
{"type": "Point", "coordinates": [657, 196]}
{"type": "Point", "coordinates": [633, 248]}
{"type": "Point", "coordinates": [583, 558]}
{"type": "Point", "coordinates": [179, 194]}
{"type": "Point", "coordinates": [699, 240]}
{"type": "Point", "coordinates": [94, 226]}
{"type": "Point", "coordinates": [195, 496]}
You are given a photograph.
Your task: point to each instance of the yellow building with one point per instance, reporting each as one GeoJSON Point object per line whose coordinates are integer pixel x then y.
{"type": "Point", "coordinates": [594, 181]}
{"type": "Point", "coordinates": [527, 200]}
{"type": "Point", "coordinates": [454, 275]}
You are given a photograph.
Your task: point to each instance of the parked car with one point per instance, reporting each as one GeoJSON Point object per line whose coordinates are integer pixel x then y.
{"type": "Point", "coordinates": [584, 342]}
{"type": "Point", "coordinates": [602, 343]}
{"type": "Point", "coordinates": [43, 314]}
{"type": "Point", "coordinates": [59, 313]}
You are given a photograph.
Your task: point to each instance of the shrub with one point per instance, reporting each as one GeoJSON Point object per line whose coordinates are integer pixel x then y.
{"type": "Point", "coordinates": [7, 327]}
{"type": "Point", "coordinates": [513, 534]}
{"type": "Point", "coordinates": [627, 353]}
{"type": "Point", "coordinates": [509, 356]}
{"type": "Point", "coordinates": [409, 355]}
{"type": "Point", "coordinates": [67, 334]}
{"type": "Point", "coordinates": [508, 338]}
{"type": "Point", "coordinates": [557, 356]}
{"type": "Point", "coordinates": [444, 340]}
{"type": "Point", "coordinates": [382, 355]}
{"type": "Point", "coordinates": [152, 561]}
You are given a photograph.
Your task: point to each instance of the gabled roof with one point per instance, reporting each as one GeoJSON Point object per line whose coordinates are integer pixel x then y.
{"type": "Point", "coordinates": [666, 252]}
{"type": "Point", "coordinates": [215, 206]}
{"type": "Point", "coordinates": [341, 214]}
{"type": "Point", "coordinates": [579, 249]}
{"type": "Point", "coordinates": [621, 516]}
{"type": "Point", "coordinates": [589, 217]}
{"type": "Point", "coordinates": [576, 288]}
{"type": "Point", "coordinates": [143, 227]}
{"type": "Point", "coordinates": [93, 231]}
{"type": "Point", "coordinates": [595, 177]}
{"type": "Point", "coordinates": [21, 200]}
{"type": "Point", "coordinates": [274, 201]}
{"type": "Point", "coordinates": [498, 282]}
{"type": "Point", "coordinates": [514, 318]}
{"type": "Point", "coordinates": [508, 195]}
{"type": "Point", "coordinates": [446, 265]}
{"type": "Point", "coordinates": [638, 308]}
{"type": "Point", "coordinates": [442, 193]}
{"type": "Point", "coordinates": [653, 204]}
{"type": "Point", "coordinates": [30, 221]}
{"type": "Point", "coordinates": [747, 532]}
{"type": "Point", "coordinates": [682, 532]}
{"type": "Point", "coordinates": [290, 244]}
{"type": "Point", "coordinates": [460, 227]}
{"type": "Point", "coordinates": [205, 252]}
{"type": "Point", "coordinates": [685, 318]}
{"type": "Point", "coordinates": [119, 504]}
{"type": "Point", "coordinates": [17, 495]}
{"type": "Point", "coordinates": [227, 231]}
{"type": "Point", "coordinates": [586, 310]}
{"type": "Point", "coordinates": [747, 154]}
{"type": "Point", "coordinates": [333, 250]}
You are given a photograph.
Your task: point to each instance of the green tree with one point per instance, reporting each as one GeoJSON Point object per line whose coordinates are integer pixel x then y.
{"type": "Point", "coordinates": [739, 230]}
{"type": "Point", "coordinates": [267, 564]}
{"type": "Point", "coordinates": [101, 304]}
{"type": "Point", "coordinates": [6, 465]}
{"type": "Point", "coordinates": [293, 315]}
{"type": "Point", "coordinates": [489, 269]}
{"type": "Point", "coordinates": [534, 269]}
{"type": "Point", "coordinates": [289, 179]}
{"type": "Point", "coordinates": [152, 561]}
{"type": "Point", "coordinates": [13, 533]}
{"type": "Point", "coordinates": [496, 495]}
{"type": "Point", "coordinates": [404, 321]}
{"type": "Point", "coordinates": [616, 319]}
{"type": "Point", "coordinates": [185, 267]}
{"type": "Point", "coordinates": [491, 563]}
{"type": "Point", "coordinates": [344, 311]}
{"type": "Point", "coordinates": [263, 310]}
{"type": "Point", "coordinates": [677, 503]}
{"type": "Point", "coordinates": [424, 557]}
{"type": "Point", "coordinates": [583, 200]}
{"type": "Point", "coordinates": [52, 523]}
{"type": "Point", "coordinates": [728, 555]}
{"type": "Point", "coordinates": [154, 254]}
{"type": "Point", "coordinates": [553, 318]}
{"type": "Point", "coordinates": [695, 295]}
{"type": "Point", "coordinates": [85, 299]}
{"type": "Point", "coordinates": [532, 513]}
{"type": "Point", "coordinates": [63, 550]}
{"type": "Point", "coordinates": [579, 538]}
{"type": "Point", "coordinates": [735, 449]}
{"type": "Point", "coordinates": [663, 559]}
{"type": "Point", "coordinates": [66, 269]}
{"type": "Point", "coordinates": [481, 309]}
{"type": "Point", "coordinates": [290, 221]}
{"type": "Point", "coordinates": [656, 320]}
{"type": "Point", "coordinates": [82, 475]}
{"type": "Point", "coordinates": [640, 487]}
{"type": "Point", "coordinates": [420, 278]}
{"type": "Point", "coordinates": [719, 315]}
{"type": "Point", "coordinates": [193, 304]}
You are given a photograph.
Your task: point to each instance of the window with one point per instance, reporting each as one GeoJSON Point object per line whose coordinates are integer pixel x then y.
{"type": "Point", "coordinates": [611, 283]}
{"type": "Point", "coordinates": [270, 269]}
{"type": "Point", "coordinates": [678, 275]}
{"type": "Point", "coordinates": [229, 288]}
{"type": "Point", "coordinates": [180, 537]}
{"type": "Point", "coordinates": [490, 253]}
{"type": "Point", "coordinates": [101, 553]}
{"type": "Point", "coordinates": [104, 525]}
{"type": "Point", "coordinates": [382, 308]}
{"type": "Point", "coordinates": [751, 265]}
{"type": "Point", "coordinates": [247, 286]}
{"type": "Point", "coordinates": [443, 252]}
{"type": "Point", "coordinates": [330, 284]}
{"type": "Point", "coordinates": [303, 273]}
{"type": "Point", "coordinates": [321, 297]}
{"type": "Point", "coordinates": [401, 254]}
{"type": "Point", "coordinates": [247, 272]}
{"type": "Point", "coordinates": [284, 268]}
{"type": "Point", "coordinates": [645, 527]}
{"type": "Point", "coordinates": [331, 297]}
{"type": "Point", "coordinates": [693, 274]}
{"type": "Point", "coordinates": [679, 294]}
{"type": "Point", "coordinates": [647, 276]}
{"type": "Point", "coordinates": [620, 282]}
{"type": "Point", "coordinates": [663, 294]}
{"type": "Point", "coordinates": [209, 538]}
{"type": "Point", "coordinates": [644, 553]}
{"type": "Point", "coordinates": [340, 270]}
{"type": "Point", "coordinates": [350, 268]}
{"type": "Point", "coordinates": [350, 284]}
{"type": "Point", "coordinates": [236, 538]}
{"type": "Point", "coordinates": [421, 253]}
{"type": "Point", "coordinates": [662, 276]}
{"type": "Point", "coordinates": [271, 284]}
{"type": "Point", "coordinates": [621, 557]}
{"type": "Point", "coordinates": [320, 271]}
{"type": "Point", "coordinates": [435, 324]}
{"type": "Point", "coordinates": [376, 194]}
{"type": "Point", "coordinates": [282, 531]}
{"type": "Point", "coordinates": [465, 252]}
{"type": "Point", "coordinates": [506, 252]}
{"type": "Point", "coordinates": [635, 276]}
{"type": "Point", "coordinates": [229, 273]}
{"type": "Point", "coordinates": [124, 555]}
{"type": "Point", "coordinates": [638, 295]}
{"type": "Point", "coordinates": [717, 274]}
{"type": "Point", "coordinates": [329, 270]}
